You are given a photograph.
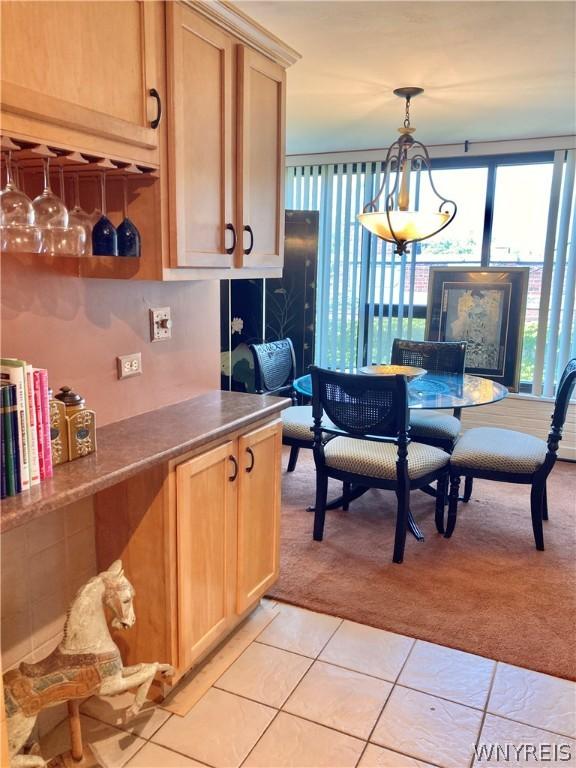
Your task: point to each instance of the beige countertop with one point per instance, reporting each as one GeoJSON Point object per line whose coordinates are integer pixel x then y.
{"type": "Point", "coordinates": [135, 444]}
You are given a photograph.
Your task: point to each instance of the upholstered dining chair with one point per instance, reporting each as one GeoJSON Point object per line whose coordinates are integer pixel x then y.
{"type": "Point", "coordinates": [361, 438]}
{"type": "Point", "coordinates": [275, 369]}
{"type": "Point", "coordinates": [434, 427]}
{"type": "Point", "coordinates": [512, 457]}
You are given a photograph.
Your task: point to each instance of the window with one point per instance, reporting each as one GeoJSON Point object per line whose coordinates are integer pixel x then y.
{"type": "Point", "coordinates": [368, 295]}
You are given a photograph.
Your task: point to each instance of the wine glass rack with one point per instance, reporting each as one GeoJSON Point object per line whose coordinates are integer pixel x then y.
{"type": "Point", "coordinates": [28, 158]}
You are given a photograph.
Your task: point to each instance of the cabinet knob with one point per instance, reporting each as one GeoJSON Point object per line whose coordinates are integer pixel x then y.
{"type": "Point", "coordinates": [155, 95]}
{"type": "Point", "coordinates": [250, 453]}
{"type": "Point", "coordinates": [248, 228]}
{"type": "Point", "coordinates": [230, 228]}
{"type": "Point", "coordinates": [235, 465]}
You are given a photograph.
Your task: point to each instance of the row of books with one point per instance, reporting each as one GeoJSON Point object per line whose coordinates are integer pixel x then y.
{"type": "Point", "coordinates": [26, 451]}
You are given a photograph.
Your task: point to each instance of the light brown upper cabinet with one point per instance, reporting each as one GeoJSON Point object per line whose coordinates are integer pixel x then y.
{"type": "Point", "coordinates": [260, 154]}
{"type": "Point", "coordinates": [80, 74]}
{"type": "Point", "coordinates": [200, 145]}
{"type": "Point", "coordinates": [226, 147]}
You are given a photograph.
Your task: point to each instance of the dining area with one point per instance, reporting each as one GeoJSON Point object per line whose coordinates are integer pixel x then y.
{"type": "Point", "coordinates": [397, 427]}
{"type": "Point", "coordinates": [444, 471]}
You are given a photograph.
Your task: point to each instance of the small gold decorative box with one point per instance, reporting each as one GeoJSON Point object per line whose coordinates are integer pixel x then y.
{"type": "Point", "coordinates": [58, 431]}
{"type": "Point", "coordinates": [80, 424]}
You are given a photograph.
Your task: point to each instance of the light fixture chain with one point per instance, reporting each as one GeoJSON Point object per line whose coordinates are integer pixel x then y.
{"type": "Point", "coordinates": [407, 117]}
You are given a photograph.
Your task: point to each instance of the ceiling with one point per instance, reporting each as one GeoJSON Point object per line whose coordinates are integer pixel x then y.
{"type": "Point", "coordinates": [491, 70]}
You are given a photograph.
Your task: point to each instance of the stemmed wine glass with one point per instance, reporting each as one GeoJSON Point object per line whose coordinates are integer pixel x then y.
{"type": "Point", "coordinates": [104, 239]}
{"type": "Point", "coordinates": [128, 234]}
{"type": "Point", "coordinates": [79, 218]}
{"type": "Point", "coordinates": [15, 206]}
{"type": "Point", "coordinates": [18, 232]}
{"type": "Point", "coordinates": [49, 209]}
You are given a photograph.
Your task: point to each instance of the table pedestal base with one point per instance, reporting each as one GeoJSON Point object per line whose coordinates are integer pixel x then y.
{"type": "Point", "coordinates": [359, 490]}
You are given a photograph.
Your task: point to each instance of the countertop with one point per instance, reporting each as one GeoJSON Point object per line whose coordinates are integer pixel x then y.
{"type": "Point", "coordinates": [135, 444]}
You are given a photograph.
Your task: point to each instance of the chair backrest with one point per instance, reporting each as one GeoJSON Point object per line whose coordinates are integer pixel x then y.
{"type": "Point", "coordinates": [563, 395]}
{"type": "Point", "coordinates": [274, 366]}
{"type": "Point", "coordinates": [361, 405]}
{"type": "Point", "coordinates": [436, 356]}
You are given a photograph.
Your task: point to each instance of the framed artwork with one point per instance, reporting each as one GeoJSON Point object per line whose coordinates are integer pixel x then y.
{"type": "Point", "coordinates": [485, 307]}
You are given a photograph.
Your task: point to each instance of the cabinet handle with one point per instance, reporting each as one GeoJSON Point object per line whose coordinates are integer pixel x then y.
{"type": "Point", "coordinates": [235, 463]}
{"type": "Point", "coordinates": [155, 95]}
{"type": "Point", "coordinates": [248, 229]}
{"type": "Point", "coordinates": [230, 228]}
{"type": "Point", "coordinates": [250, 453]}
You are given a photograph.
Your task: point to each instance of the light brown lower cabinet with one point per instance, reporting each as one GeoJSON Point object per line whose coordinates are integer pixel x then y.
{"type": "Point", "coordinates": [199, 539]}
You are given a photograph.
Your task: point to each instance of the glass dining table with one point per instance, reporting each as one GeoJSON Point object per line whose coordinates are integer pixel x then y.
{"type": "Point", "coordinates": [438, 390]}
{"type": "Point", "coordinates": [430, 391]}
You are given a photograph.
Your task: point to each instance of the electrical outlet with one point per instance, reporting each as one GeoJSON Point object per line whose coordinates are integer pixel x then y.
{"type": "Point", "coordinates": [129, 365]}
{"type": "Point", "coordinates": [160, 324]}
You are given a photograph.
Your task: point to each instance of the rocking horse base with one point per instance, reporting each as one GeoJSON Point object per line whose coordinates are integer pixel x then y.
{"type": "Point", "coordinates": [66, 760]}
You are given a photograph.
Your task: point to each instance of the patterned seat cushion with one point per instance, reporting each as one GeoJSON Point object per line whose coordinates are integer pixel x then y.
{"type": "Point", "coordinates": [297, 422]}
{"type": "Point", "coordinates": [434, 424]}
{"type": "Point", "coordinates": [367, 457]}
{"type": "Point", "coordinates": [499, 450]}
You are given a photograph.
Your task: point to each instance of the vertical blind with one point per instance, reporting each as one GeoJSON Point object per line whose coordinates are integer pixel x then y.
{"type": "Point", "coordinates": [365, 291]}
{"type": "Point", "coordinates": [358, 274]}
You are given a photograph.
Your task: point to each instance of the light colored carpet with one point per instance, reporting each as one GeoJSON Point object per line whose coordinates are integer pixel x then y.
{"type": "Point", "coordinates": [487, 590]}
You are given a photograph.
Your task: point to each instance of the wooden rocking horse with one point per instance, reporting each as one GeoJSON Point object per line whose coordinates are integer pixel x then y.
{"type": "Point", "coordinates": [87, 662]}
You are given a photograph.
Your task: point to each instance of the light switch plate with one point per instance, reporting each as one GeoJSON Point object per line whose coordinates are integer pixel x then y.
{"type": "Point", "coordinates": [160, 324]}
{"type": "Point", "coordinates": [129, 365]}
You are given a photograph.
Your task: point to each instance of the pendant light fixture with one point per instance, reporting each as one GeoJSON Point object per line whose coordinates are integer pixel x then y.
{"type": "Point", "coordinates": [397, 223]}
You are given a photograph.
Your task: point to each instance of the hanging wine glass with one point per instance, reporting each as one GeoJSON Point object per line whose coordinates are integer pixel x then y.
{"type": "Point", "coordinates": [79, 218]}
{"type": "Point", "coordinates": [49, 209]}
{"type": "Point", "coordinates": [15, 206]}
{"type": "Point", "coordinates": [128, 234]}
{"type": "Point", "coordinates": [96, 214]}
{"type": "Point", "coordinates": [104, 239]}
{"type": "Point", "coordinates": [17, 230]}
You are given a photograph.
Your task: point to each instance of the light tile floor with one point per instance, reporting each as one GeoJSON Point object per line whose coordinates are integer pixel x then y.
{"type": "Point", "coordinates": [314, 691]}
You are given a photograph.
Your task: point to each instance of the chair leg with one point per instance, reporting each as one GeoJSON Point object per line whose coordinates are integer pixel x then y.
{"type": "Point", "coordinates": [294, 451]}
{"type": "Point", "coordinates": [545, 504]}
{"type": "Point", "coordinates": [346, 489]}
{"type": "Point", "coordinates": [467, 489]}
{"type": "Point", "coordinates": [403, 496]}
{"type": "Point", "coordinates": [452, 505]}
{"type": "Point", "coordinates": [536, 508]}
{"type": "Point", "coordinates": [441, 489]}
{"type": "Point", "coordinates": [320, 506]}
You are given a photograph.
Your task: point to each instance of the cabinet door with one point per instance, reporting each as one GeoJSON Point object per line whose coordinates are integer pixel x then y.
{"type": "Point", "coordinates": [260, 127]}
{"type": "Point", "coordinates": [259, 454]}
{"type": "Point", "coordinates": [206, 549]}
{"type": "Point", "coordinates": [82, 66]}
{"type": "Point", "coordinates": [200, 140]}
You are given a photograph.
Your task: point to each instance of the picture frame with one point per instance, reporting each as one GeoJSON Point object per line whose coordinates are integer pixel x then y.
{"type": "Point", "coordinates": [486, 307]}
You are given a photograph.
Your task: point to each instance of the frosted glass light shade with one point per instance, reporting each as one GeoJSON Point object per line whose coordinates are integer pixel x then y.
{"type": "Point", "coordinates": [407, 225]}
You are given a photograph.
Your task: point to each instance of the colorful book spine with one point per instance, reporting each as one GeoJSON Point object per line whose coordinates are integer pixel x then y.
{"type": "Point", "coordinates": [32, 427]}
{"type": "Point", "coordinates": [3, 479]}
{"type": "Point", "coordinates": [12, 371]}
{"type": "Point", "coordinates": [41, 379]}
{"type": "Point", "coordinates": [11, 439]}
{"type": "Point", "coordinates": [39, 423]}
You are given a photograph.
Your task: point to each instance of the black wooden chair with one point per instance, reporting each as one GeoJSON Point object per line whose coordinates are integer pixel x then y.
{"type": "Point", "coordinates": [275, 369]}
{"type": "Point", "coordinates": [434, 427]}
{"type": "Point", "coordinates": [361, 438]}
{"type": "Point", "coordinates": [512, 457]}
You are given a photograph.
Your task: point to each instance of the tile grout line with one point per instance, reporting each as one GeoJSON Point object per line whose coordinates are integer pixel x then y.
{"type": "Point", "coordinates": [387, 699]}
{"type": "Point", "coordinates": [259, 739]}
{"type": "Point", "coordinates": [484, 712]}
